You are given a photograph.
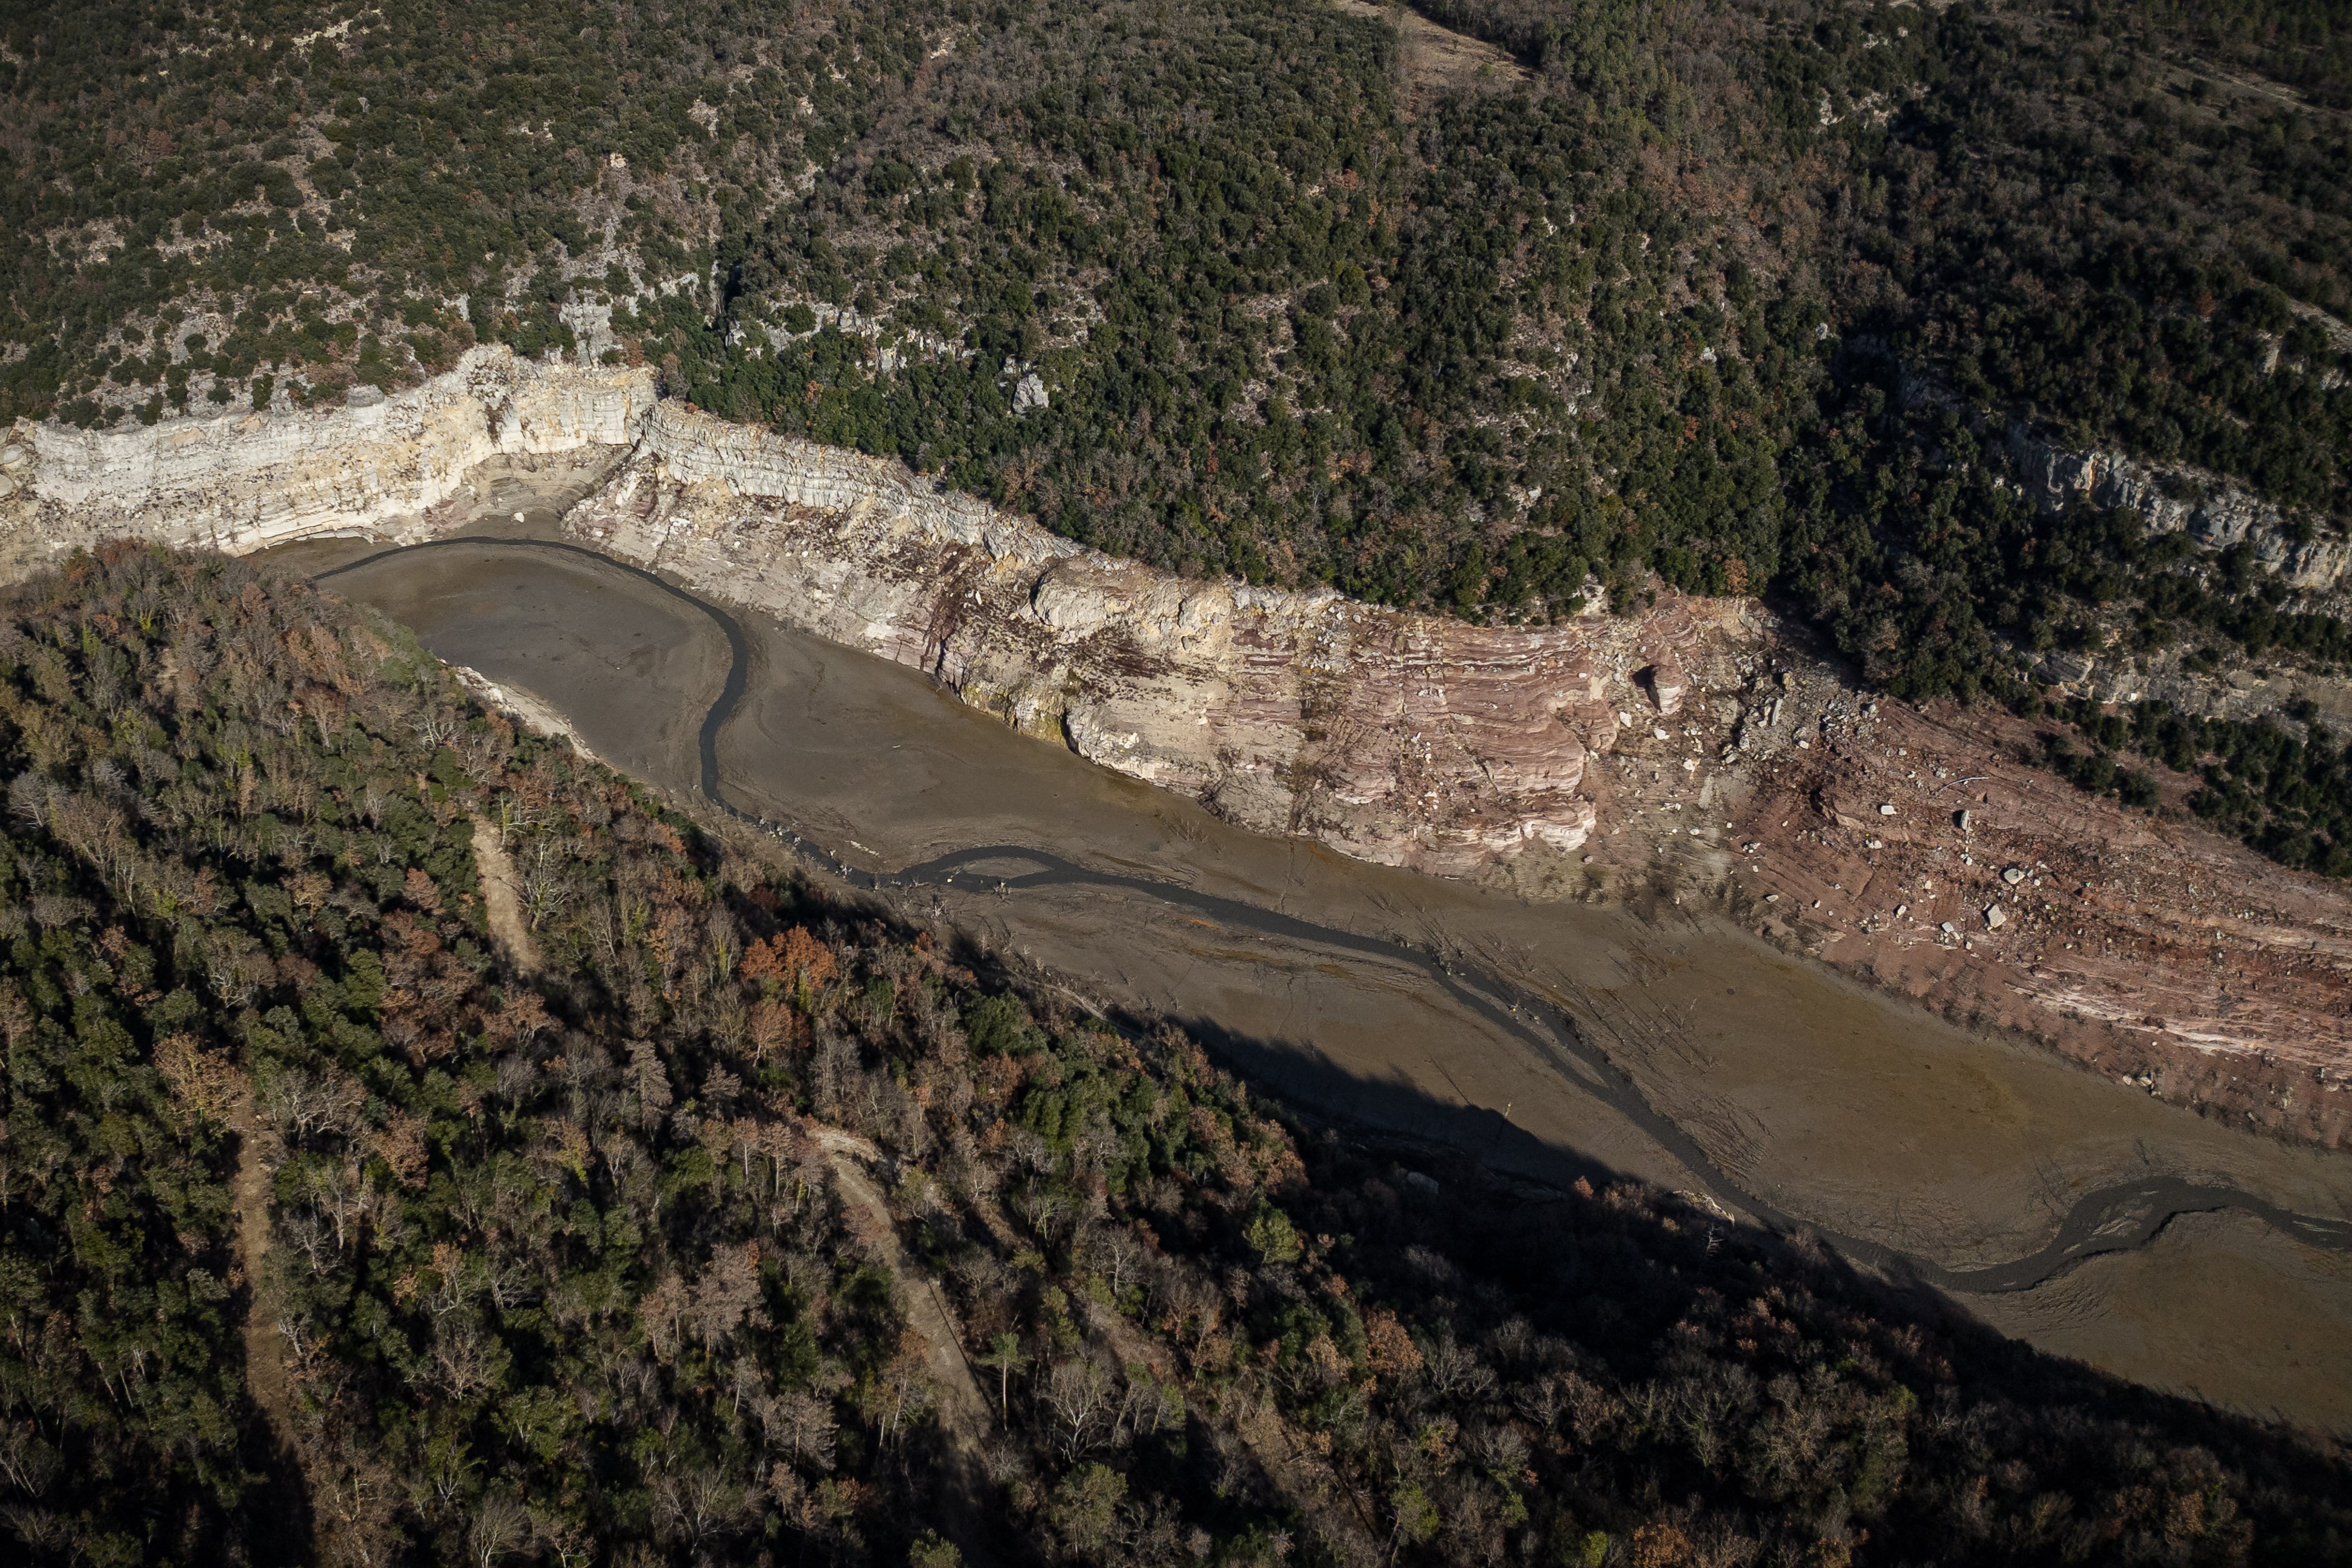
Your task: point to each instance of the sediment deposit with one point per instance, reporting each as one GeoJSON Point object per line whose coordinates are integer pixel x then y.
{"type": "Point", "coordinates": [1695, 747]}
{"type": "Point", "coordinates": [1403, 739]}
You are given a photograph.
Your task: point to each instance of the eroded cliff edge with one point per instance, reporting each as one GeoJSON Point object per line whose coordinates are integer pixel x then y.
{"type": "Point", "coordinates": [1397, 738]}
{"type": "Point", "coordinates": [1403, 739]}
{"type": "Point", "coordinates": [1694, 748]}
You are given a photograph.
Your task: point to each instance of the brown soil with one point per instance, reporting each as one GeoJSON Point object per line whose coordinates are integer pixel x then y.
{"type": "Point", "coordinates": [502, 900]}
{"type": "Point", "coordinates": [514, 616]}
{"type": "Point", "coordinates": [2143, 947]}
{"type": "Point", "coordinates": [1436, 60]}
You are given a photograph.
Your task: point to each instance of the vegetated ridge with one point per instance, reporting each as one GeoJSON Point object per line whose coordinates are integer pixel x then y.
{"type": "Point", "coordinates": [1691, 747]}
{"type": "Point", "coordinates": [562, 1272]}
{"type": "Point", "coordinates": [1738, 298]}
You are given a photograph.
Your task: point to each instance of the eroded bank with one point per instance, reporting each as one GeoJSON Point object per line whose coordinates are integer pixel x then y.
{"type": "Point", "coordinates": [1695, 748]}
{"type": "Point", "coordinates": [1771, 1084]}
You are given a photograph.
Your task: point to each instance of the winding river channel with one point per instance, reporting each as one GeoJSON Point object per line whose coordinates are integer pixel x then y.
{"type": "Point", "coordinates": [1548, 1040]}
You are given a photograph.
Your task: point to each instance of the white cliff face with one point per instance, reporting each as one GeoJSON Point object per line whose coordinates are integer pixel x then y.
{"type": "Point", "coordinates": [1404, 738]}
{"type": "Point", "coordinates": [243, 481]}
{"type": "Point", "coordinates": [2226, 516]}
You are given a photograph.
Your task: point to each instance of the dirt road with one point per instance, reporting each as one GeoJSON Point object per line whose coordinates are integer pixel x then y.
{"type": "Point", "coordinates": [502, 898]}
{"type": "Point", "coordinates": [264, 1360]}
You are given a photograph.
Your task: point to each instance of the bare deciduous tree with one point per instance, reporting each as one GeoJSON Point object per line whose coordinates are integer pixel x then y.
{"type": "Point", "coordinates": [500, 1528]}
{"type": "Point", "coordinates": [1082, 1396]}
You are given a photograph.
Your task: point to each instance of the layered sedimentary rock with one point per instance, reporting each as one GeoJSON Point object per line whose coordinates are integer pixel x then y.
{"type": "Point", "coordinates": [1405, 739]}
{"type": "Point", "coordinates": [2140, 944]}
{"type": "Point", "coordinates": [244, 482]}
{"type": "Point", "coordinates": [1400, 738]}
{"type": "Point", "coordinates": [2211, 509]}
{"type": "Point", "coordinates": [1711, 749]}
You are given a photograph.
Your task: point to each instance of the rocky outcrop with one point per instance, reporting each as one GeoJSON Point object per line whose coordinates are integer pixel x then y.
{"type": "Point", "coordinates": [1404, 738]}
{"type": "Point", "coordinates": [1409, 740]}
{"type": "Point", "coordinates": [1692, 746]}
{"type": "Point", "coordinates": [244, 482]}
{"type": "Point", "coordinates": [2141, 946]}
{"type": "Point", "coordinates": [2211, 509]}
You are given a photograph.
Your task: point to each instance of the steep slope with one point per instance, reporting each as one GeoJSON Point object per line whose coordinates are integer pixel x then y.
{"type": "Point", "coordinates": [560, 1269]}
{"type": "Point", "coordinates": [2004, 345]}
{"type": "Point", "coordinates": [1217, 286]}
{"type": "Point", "coordinates": [1696, 744]}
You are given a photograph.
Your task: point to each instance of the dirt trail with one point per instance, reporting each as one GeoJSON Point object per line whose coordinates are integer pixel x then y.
{"type": "Point", "coordinates": [963, 1411]}
{"type": "Point", "coordinates": [502, 898]}
{"type": "Point", "coordinates": [1305, 1481]}
{"type": "Point", "coordinates": [265, 1361]}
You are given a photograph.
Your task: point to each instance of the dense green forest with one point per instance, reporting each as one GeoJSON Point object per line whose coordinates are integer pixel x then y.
{"type": "Point", "coordinates": [1740, 295]}
{"type": "Point", "coordinates": [1294, 317]}
{"type": "Point", "coordinates": [558, 1270]}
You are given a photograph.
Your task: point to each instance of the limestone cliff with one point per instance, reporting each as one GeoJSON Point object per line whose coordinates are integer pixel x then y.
{"type": "Point", "coordinates": [1405, 739]}
{"type": "Point", "coordinates": [1400, 738]}
{"type": "Point", "coordinates": [2213, 511]}
{"type": "Point", "coordinates": [243, 481]}
{"type": "Point", "coordinates": [1698, 747]}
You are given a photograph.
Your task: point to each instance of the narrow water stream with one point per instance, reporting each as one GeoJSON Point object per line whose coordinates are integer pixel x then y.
{"type": "Point", "coordinates": [1554, 1040]}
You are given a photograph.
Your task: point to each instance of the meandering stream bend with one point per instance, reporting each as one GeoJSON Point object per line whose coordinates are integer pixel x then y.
{"type": "Point", "coordinates": [2113, 1218]}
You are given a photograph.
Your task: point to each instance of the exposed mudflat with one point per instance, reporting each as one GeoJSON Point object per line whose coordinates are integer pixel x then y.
{"type": "Point", "coordinates": [1683, 1050]}
{"type": "Point", "coordinates": [2213, 1307]}
{"type": "Point", "coordinates": [637, 666]}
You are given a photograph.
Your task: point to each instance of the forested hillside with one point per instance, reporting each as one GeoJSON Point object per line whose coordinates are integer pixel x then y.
{"type": "Point", "coordinates": [1630, 318]}
{"type": "Point", "coordinates": [559, 1265]}
{"type": "Point", "coordinates": [1745, 297]}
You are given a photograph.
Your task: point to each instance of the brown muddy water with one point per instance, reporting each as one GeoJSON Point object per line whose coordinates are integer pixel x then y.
{"type": "Point", "coordinates": [1548, 1039]}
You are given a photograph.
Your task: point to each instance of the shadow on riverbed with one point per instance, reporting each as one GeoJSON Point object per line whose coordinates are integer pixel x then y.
{"type": "Point", "coordinates": [2120, 1218]}
{"type": "Point", "coordinates": [1598, 1255]}
{"type": "Point", "coordinates": [1552, 1042]}
{"type": "Point", "coordinates": [1393, 1109]}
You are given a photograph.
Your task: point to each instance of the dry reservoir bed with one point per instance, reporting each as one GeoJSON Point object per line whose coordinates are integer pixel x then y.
{"type": "Point", "coordinates": [1764, 1077]}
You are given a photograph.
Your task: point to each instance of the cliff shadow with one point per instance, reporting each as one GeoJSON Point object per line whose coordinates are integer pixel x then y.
{"type": "Point", "coordinates": [1606, 1258]}
{"type": "Point", "coordinates": [1304, 1077]}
